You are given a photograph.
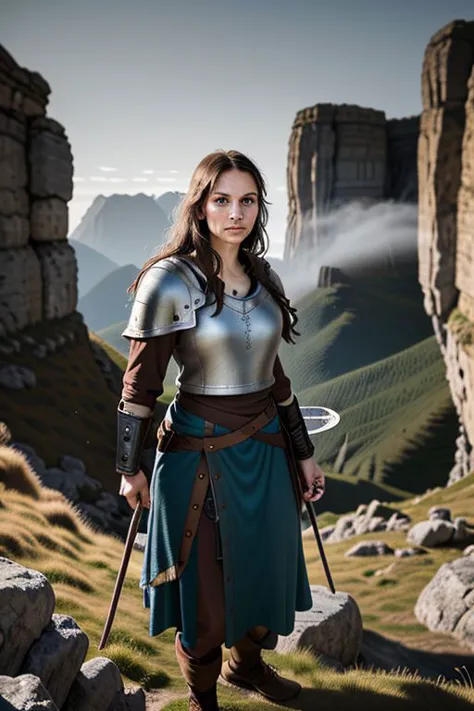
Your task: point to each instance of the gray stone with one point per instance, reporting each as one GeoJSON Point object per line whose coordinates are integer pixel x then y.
{"type": "Point", "coordinates": [17, 377]}
{"type": "Point", "coordinates": [59, 274]}
{"type": "Point", "coordinates": [398, 522]}
{"type": "Point", "coordinates": [107, 502]}
{"type": "Point", "coordinates": [469, 550]}
{"type": "Point", "coordinates": [56, 657]}
{"type": "Point", "coordinates": [40, 351]}
{"type": "Point", "coordinates": [35, 462]}
{"type": "Point", "coordinates": [368, 548]}
{"type": "Point", "coordinates": [462, 531]}
{"type": "Point", "coordinates": [344, 529]}
{"type": "Point", "coordinates": [326, 532]}
{"type": "Point", "coordinates": [332, 627]}
{"type": "Point", "coordinates": [95, 686]}
{"type": "Point", "coordinates": [55, 478]}
{"type": "Point", "coordinates": [25, 693]}
{"type": "Point", "coordinates": [431, 533]}
{"type": "Point", "coordinates": [439, 513]}
{"type": "Point", "coordinates": [50, 160]}
{"type": "Point", "coordinates": [21, 289]}
{"type": "Point", "coordinates": [447, 603]}
{"type": "Point", "coordinates": [408, 552]}
{"type": "Point", "coordinates": [48, 220]}
{"type": "Point", "coordinates": [72, 464]}
{"type": "Point", "coordinates": [26, 604]}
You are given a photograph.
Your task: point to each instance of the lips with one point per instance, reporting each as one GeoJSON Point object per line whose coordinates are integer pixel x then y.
{"type": "Point", "coordinates": [235, 229]}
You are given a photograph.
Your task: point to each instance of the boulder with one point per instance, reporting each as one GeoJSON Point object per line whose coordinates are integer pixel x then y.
{"type": "Point", "coordinates": [332, 627]}
{"type": "Point", "coordinates": [24, 693]}
{"type": "Point", "coordinates": [95, 687]}
{"type": "Point", "coordinates": [408, 552]}
{"type": "Point", "coordinates": [447, 603]}
{"type": "Point", "coordinates": [439, 513]}
{"type": "Point", "coordinates": [366, 548]}
{"type": "Point", "coordinates": [431, 533]}
{"type": "Point", "coordinates": [56, 657]}
{"type": "Point", "coordinates": [27, 604]}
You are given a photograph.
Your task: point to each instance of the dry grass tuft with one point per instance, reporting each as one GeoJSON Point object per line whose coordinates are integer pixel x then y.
{"type": "Point", "coordinates": [5, 434]}
{"type": "Point", "coordinates": [60, 513]}
{"type": "Point", "coordinates": [16, 473]}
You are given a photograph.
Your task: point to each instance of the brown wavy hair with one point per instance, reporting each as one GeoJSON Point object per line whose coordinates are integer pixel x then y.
{"type": "Point", "coordinates": [190, 234]}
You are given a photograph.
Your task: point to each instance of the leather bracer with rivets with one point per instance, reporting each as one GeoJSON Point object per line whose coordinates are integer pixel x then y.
{"type": "Point", "coordinates": [131, 434]}
{"type": "Point", "coordinates": [292, 419]}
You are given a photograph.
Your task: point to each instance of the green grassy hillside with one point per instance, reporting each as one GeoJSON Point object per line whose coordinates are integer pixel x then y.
{"type": "Point", "coordinates": [41, 531]}
{"type": "Point", "coordinates": [347, 326]}
{"type": "Point", "coordinates": [398, 425]}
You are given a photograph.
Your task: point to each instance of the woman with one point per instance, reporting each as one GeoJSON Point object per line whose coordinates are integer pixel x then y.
{"type": "Point", "coordinates": [224, 561]}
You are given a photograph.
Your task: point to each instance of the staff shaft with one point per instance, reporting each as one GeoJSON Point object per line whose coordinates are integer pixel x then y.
{"type": "Point", "coordinates": [131, 535]}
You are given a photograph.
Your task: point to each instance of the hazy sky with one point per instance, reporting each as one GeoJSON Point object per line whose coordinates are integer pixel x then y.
{"type": "Point", "coordinates": [146, 88]}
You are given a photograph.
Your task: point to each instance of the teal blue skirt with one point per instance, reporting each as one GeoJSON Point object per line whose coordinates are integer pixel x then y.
{"type": "Point", "coordinates": [265, 577]}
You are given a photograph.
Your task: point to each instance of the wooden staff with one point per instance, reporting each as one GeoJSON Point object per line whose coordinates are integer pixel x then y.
{"type": "Point", "coordinates": [131, 535]}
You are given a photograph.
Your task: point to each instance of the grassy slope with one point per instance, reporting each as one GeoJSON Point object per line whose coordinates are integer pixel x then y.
{"type": "Point", "coordinates": [81, 565]}
{"type": "Point", "coordinates": [108, 302]}
{"type": "Point", "coordinates": [345, 327]}
{"type": "Point", "coordinates": [398, 418]}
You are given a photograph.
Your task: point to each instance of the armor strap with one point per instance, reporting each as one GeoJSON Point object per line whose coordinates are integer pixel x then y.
{"type": "Point", "coordinates": [293, 420]}
{"type": "Point", "coordinates": [131, 434]}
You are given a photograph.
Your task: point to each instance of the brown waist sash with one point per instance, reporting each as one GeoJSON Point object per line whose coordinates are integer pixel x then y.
{"type": "Point", "coordinates": [171, 441]}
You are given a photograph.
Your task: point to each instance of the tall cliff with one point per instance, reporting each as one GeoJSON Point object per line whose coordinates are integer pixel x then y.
{"type": "Point", "coordinates": [338, 154]}
{"type": "Point", "coordinates": [58, 388]}
{"type": "Point", "coordinates": [446, 215]}
{"type": "Point", "coordinates": [38, 272]}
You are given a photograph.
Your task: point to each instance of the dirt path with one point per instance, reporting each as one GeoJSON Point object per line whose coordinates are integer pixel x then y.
{"type": "Point", "coordinates": [156, 700]}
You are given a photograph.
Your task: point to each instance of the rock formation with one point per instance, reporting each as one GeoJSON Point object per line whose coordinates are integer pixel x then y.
{"type": "Point", "coordinates": [447, 603]}
{"type": "Point", "coordinates": [44, 343]}
{"type": "Point", "coordinates": [446, 208]}
{"type": "Point", "coordinates": [42, 654]}
{"type": "Point", "coordinates": [339, 154]}
{"type": "Point", "coordinates": [38, 273]}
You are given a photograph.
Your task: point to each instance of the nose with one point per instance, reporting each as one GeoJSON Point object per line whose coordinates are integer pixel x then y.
{"type": "Point", "coordinates": [236, 211]}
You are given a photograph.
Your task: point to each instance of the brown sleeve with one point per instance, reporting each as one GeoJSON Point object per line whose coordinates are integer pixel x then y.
{"type": "Point", "coordinates": [281, 388]}
{"type": "Point", "coordinates": [146, 369]}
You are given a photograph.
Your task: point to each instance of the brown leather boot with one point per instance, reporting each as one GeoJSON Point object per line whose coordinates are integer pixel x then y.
{"type": "Point", "coordinates": [247, 669]}
{"type": "Point", "coordinates": [201, 676]}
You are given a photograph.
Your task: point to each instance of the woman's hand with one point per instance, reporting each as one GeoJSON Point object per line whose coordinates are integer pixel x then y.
{"type": "Point", "coordinates": [313, 478]}
{"type": "Point", "coordinates": [132, 486]}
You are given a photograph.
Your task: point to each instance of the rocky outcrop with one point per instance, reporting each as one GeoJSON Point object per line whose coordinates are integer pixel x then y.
{"type": "Point", "coordinates": [445, 234]}
{"type": "Point", "coordinates": [38, 273]}
{"type": "Point", "coordinates": [332, 627]}
{"type": "Point", "coordinates": [447, 603]}
{"type": "Point", "coordinates": [368, 518]}
{"type": "Point", "coordinates": [42, 654]}
{"type": "Point", "coordinates": [106, 512]}
{"type": "Point", "coordinates": [343, 153]}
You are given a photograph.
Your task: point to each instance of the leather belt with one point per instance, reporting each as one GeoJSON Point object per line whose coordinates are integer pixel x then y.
{"type": "Point", "coordinates": [171, 441]}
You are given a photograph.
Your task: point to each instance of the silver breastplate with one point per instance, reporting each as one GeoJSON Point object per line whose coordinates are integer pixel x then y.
{"type": "Point", "coordinates": [232, 353]}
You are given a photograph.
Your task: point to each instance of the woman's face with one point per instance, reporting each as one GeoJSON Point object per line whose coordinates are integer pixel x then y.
{"type": "Point", "coordinates": [232, 203]}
